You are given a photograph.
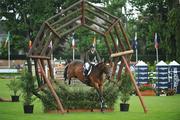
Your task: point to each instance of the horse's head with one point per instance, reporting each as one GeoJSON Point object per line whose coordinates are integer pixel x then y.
{"type": "Point", "coordinates": [106, 68]}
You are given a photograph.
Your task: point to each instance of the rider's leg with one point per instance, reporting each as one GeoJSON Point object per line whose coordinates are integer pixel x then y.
{"type": "Point", "coordinates": [86, 70]}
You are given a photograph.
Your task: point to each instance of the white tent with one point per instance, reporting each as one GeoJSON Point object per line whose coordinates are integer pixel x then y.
{"type": "Point", "coordinates": [141, 63]}
{"type": "Point", "coordinates": [161, 63]}
{"type": "Point", "coordinates": [174, 63]}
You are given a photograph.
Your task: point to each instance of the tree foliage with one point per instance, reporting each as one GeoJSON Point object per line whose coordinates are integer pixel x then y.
{"type": "Point", "coordinates": [161, 17]}
{"type": "Point", "coordinates": [23, 19]}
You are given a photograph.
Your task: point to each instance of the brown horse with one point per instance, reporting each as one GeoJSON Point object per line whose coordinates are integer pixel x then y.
{"type": "Point", "coordinates": [75, 69]}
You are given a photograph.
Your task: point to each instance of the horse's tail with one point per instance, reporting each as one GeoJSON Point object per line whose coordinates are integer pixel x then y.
{"type": "Point", "coordinates": [65, 72]}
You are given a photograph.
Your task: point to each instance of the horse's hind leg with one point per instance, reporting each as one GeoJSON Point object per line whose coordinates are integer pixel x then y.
{"type": "Point", "coordinates": [65, 80]}
{"type": "Point", "coordinates": [65, 74]}
{"type": "Point", "coordinates": [69, 81]}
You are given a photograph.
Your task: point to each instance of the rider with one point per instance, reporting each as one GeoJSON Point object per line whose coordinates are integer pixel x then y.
{"type": "Point", "coordinates": [91, 58]}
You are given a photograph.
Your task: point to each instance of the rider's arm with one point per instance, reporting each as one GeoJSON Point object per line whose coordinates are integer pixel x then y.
{"type": "Point", "coordinates": [87, 56]}
{"type": "Point", "coordinates": [98, 57]}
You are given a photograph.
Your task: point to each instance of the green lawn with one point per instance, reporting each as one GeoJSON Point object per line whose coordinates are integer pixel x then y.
{"type": "Point", "coordinates": [159, 108]}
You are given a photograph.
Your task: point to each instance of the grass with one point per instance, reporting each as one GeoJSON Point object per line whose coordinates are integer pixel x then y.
{"type": "Point", "coordinates": [4, 90]}
{"type": "Point", "coordinates": [159, 108]}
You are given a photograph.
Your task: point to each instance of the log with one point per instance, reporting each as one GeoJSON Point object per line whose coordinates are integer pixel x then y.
{"type": "Point", "coordinates": [122, 53]}
{"type": "Point", "coordinates": [4, 100]}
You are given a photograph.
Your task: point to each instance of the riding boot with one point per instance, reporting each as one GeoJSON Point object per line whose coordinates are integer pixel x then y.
{"type": "Point", "coordinates": [86, 81]}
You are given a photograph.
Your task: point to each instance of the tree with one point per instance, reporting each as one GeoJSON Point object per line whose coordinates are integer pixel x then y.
{"type": "Point", "coordinates": [173, 36]}
{"type": "Point", "coordinates": [24, 18]}
{"type": "Point", "coordinates": [156, 16]}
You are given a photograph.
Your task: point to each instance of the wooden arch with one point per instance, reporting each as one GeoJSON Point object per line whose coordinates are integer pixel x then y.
{"type": "Point", "coordinates": [82, 13]}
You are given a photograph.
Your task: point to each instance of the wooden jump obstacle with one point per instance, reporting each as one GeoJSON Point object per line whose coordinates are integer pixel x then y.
{"type": "Point", "coordinates": [55, 29]}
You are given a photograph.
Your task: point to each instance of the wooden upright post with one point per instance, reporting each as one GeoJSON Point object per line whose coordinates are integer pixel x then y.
{"type": "Point", "coordinates": [50, 69]}
{"type": "Point", "coordinates": [39, 81]}
{"type": "Point", "coordinates": [59, 105]}
{"type": "Point", "coordinates": [120, 70]}
{"type": "Point", "coordinates": [134, 83]}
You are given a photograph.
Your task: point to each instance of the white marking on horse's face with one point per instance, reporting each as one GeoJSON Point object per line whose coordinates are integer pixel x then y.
{"type": "Point", "coordinates": [107, 64]}
{"type": "Point", "coordinates": [109, 72]}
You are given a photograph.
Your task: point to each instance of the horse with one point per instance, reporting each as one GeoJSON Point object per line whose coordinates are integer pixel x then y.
{"type": "Point", "coordinates": [75, 69]}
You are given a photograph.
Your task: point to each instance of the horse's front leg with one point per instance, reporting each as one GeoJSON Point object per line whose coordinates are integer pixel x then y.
{"type": "Point", "coordinates": [99, 89]}
{"type": "Point", "coordinates": [69, 79]}
{"type": "Point", "coordinates": [101, 98]}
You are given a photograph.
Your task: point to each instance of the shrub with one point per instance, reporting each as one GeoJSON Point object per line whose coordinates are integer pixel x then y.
{"type": "Point", "coordinates": [27, 86]}
{"type": "Point", "coordinates": [80, 98]}
{"type": "Point", "coordinates": [14, 86]}
{"type": "Point", "coordinates": [125, 88]}
{"type": "Point", "coordinates": [171, 92]}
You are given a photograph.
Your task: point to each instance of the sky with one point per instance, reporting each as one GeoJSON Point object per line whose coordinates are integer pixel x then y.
{"type": "Point", "coordinates": [129, 7]}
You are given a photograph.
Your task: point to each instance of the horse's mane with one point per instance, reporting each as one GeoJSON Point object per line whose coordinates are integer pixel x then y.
{"type": "Point", "coordinates": [99, 64]}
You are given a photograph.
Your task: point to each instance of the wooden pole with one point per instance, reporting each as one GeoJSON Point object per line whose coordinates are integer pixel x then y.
{"type": "Point", "coordinates": [113, 40]}
{"type": "Point", "coordinates": [50, 69]}
{"type": "Point", "coordinates": [119, 38]}
{"type": "Point", "coordinates": [82, 12]}
{"type": "Point", "coordinates": [120, 70]}
{"type": "Point", "coordinates": [39, 57]}
{"type": "Point", "coordinates": [69, 30]}
{"type": "Point", "coordinates": [47, 46]}
{"type": "Point", "coordinates": [102, 11]}
{"type": "Point", "coordinates": [97, 31]}
{"type": "Point", "coordinates": [59, 105]}
{"type": "Point", "coordinates": [99, 16]}
{"type": "Point", "coordinates": [107, 44]}
{"type": "Point", "coordinates": [39, 81]}
{"type": "Point", "coordinates": [63, 18]}
{"type": "Point", "coordinates": [68, 23]}
{"type": "Point", "coordinates": [36, 40]}
{"type": "Point", "coordinates": [124, 34]}
{"type": "Point", "coordinates": [114, 68]}
{"type": "Point", "coordinates": [112, 26]}
{"type": "Point", "coordinates": [122, 53]}
{"type": "Point", "coordinates": [134, 83]}
{"type": "Point", "coordinates": [115, 59]}
{"type": "Point", "coordinates": [63, 11]}
{"type": "Point", "coordinates": [5, 100]}
{"type": "Point", "coordinates": [98, 24]}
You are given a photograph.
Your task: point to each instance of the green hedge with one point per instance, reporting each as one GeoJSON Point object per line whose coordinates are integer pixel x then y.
{"type": "Point", "coordinates": [9, 75]}
{"type": "Point", "coordinates": [80, 97]}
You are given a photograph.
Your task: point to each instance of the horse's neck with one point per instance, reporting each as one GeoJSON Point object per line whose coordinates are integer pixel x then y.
{"type": "Point", "coordinates": [99, 70]}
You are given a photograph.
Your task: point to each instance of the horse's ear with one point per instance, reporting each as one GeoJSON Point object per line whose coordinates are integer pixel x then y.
{"type": "Point", "coordinates": [102, 60]}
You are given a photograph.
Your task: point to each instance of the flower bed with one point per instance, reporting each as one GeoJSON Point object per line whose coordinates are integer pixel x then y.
{"type": "Point", "coordinates": [148, 93]}
{"type": "Point", "coordinates": [147, 90]}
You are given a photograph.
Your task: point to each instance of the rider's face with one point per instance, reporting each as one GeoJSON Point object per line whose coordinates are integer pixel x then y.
{"type": "Point", "coordinates": [92, 50]}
